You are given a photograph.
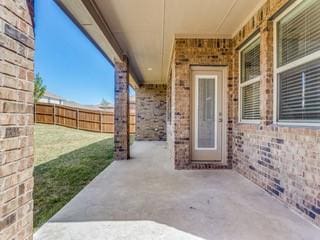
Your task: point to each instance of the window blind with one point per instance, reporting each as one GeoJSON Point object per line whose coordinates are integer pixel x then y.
{"type": "Point", "coordinates": [299, 32]}
{"type": "Point", "coordinates": [299, 93]}
{"type": "Point", "coordinates": [251, 101]}
{"type": "Point", "coordinates": [250, 81]}
{"type": "Point", "coordinates": [250, 61]}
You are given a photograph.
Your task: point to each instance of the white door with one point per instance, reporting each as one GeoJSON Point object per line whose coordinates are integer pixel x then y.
{"type": "Point", "coordinates": [207, 115]}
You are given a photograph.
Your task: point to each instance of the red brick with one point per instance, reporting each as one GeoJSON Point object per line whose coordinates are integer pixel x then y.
{"type": "Point", "coordinates": [16, 120]}
{"type": "Point", "coordinates": [121, 115]}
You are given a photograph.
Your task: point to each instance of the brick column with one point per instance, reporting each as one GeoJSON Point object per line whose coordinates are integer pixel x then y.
{"type": "Point", "coordinates": [266, 59]}
{"type": "Point", "coordinates": [16, 119]}
{"type": "Point", "coordinates": [182, 115]}
{"type": "Point", "coordinates": [121, 114]}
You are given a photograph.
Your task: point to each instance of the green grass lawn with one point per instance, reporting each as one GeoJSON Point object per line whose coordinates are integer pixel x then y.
{"type": "Point", "coordinates": [66, 160]}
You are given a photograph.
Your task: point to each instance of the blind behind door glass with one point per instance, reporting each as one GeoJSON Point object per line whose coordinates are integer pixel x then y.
{"type": "Point", "coordinates": [206, 113]}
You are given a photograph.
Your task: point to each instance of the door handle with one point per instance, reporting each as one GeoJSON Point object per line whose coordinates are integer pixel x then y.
{"type": "Point", "coordinates": [220, 115]}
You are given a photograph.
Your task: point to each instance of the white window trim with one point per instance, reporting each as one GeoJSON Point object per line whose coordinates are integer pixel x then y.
{"type": "Point", "coordinates": [277, 70]}
{"type": "Point", "coordinates": [249, 82]}
{"type": "Point", "coordinates": [197, 112]}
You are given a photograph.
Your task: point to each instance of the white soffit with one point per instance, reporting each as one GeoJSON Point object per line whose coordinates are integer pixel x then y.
{"type": "Point", "coordinates": [145, 29]}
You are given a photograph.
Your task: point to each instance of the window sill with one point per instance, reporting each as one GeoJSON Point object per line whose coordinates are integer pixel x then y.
{"type": "Point", "coordinates": [243, 122]}
{"type": "Point", "coordinates": [297, 125]}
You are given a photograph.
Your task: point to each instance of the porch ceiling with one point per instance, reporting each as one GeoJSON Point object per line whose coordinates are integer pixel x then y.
{"type": "Point", "coordinates": [145, 29]}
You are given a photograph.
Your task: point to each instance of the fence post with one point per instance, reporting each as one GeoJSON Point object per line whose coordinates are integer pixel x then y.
{"type": "Point", "coordinates": [77, 118]}
{"type": "Point", "coordinates": [35, 113]}
{"type": "Point", "coordinates": [100, 122]}
{"type": "Point", "coordinates": [54, 114]}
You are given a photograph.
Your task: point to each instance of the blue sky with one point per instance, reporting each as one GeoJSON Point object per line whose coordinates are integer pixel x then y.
{"type": "Point", "coordinates": [68, 62]}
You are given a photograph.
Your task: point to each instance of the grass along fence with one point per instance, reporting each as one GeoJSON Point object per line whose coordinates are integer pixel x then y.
{"type": "Point", "coordinates": [78, 118]}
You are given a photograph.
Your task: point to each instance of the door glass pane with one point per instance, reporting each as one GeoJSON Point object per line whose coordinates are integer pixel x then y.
{"type": "Point", "coordinates": [206, 113]}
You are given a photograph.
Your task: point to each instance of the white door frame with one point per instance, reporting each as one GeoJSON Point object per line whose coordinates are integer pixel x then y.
{"type": "Point", "coordinates": [224, 137]}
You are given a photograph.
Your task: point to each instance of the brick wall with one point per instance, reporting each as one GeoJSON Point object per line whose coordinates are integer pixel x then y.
{"type": "Point", "coordinates": [190, 52]}
{"type": "Point", "coordinates": [16, 119]}
{"type": "Point", "coordinates": [151, 112]}
{"type": "Point", "coordinates": [285, 161]}
{"type": "Point", "coordinates": [282, 160]}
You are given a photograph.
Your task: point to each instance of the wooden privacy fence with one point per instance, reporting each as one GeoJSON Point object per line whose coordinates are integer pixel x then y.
{"type": "Point", "coordinates": [78, 118]}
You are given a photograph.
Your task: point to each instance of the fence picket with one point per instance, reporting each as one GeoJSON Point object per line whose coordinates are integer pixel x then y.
{"type": "Point", "coordinates": [85, 119]}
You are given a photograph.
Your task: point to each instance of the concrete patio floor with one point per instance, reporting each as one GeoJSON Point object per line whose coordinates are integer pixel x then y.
{"type": "Point", "coordinates": [145, 198]}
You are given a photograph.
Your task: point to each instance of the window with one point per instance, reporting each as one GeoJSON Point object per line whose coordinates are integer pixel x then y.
{"type": "Point", "coordinates": [297, 66]}
{"type": "Point", "coordinates": [250, 81]}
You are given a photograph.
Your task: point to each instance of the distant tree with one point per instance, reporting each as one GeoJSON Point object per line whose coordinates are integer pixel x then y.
{"type": "Point", "coordinates": [104, 103]}
{"type": "Point", "coordinates": [39, 88]}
